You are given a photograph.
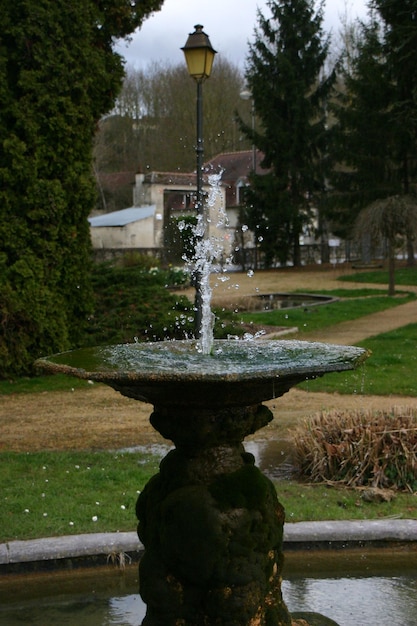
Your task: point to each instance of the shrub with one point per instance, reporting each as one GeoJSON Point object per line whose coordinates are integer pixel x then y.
{"type": "Point", "coordinates": [361, 448]}
{"type": "Point", "coordinates": [133, 303]}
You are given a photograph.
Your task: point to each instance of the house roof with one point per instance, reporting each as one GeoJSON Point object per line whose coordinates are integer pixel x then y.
{"type": "Point", "coordinates": [121, 218]}
{"type": "Point", "coordinates": [236, 165]}
{"type": "Point", "coordinates": [171, 178]}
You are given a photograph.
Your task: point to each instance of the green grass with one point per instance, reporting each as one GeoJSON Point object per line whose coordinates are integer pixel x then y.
{"type": "Point", "coordinates": [306, 502]}
{"type": "Point", "coordinates": [391, 369]}
{"type": "Point", "coordinates": [348, 293]}
{"type": "Point", "coordinates": [60, 493]}
{"type": "Point", "coordinates": [58, 382]}
{"type": "Point", "coordinates": [314, 318]}
{"type": "Point", "coordinates": [403, 276]}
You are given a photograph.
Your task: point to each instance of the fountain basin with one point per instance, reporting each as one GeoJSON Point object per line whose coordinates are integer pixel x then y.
{"type": "Point", "coordinates": [225, 565]}
{"type": "Point", "coordinates": [176, 373]}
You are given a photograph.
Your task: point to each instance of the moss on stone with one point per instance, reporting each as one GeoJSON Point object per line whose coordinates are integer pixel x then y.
{"type": "Point", "coordinates": [246, 488]}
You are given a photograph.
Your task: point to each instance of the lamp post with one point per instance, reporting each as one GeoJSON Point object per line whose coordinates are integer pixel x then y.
{"type": "Point", "coordinates": [199, 56]}
{"type": "Point", "coordinates": [245, 94]}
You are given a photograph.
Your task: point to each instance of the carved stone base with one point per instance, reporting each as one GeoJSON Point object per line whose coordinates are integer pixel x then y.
{"type": "Point", "coordinates": [212, 527]}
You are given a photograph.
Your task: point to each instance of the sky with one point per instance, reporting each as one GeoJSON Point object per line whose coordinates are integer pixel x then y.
{"type": "Point", "coordinates": [229, 24]}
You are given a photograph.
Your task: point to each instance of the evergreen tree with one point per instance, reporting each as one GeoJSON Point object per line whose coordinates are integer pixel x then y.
{"type": "Point", "coordinates": [399, 19]}
{"type": "Point", "coordinates": [363, 137]}
{"type": "Point", "coordinates": [400, 22]}
{"type": "Point", "coordinates": [376, 128]}
{"type": "Point", "coordinates": [286, 75]}
{"type": "Point", "coordinates": [58, 76]}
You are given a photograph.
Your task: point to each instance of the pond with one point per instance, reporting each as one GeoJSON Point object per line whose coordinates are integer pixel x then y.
{"type": "Point", "coordinates": [274, 301]}
{"type": "Point", "coordinates": [353, 587]}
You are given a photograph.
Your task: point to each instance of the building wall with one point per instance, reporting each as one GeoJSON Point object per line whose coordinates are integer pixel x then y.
{"type": "Point", "coordinates": [154, 193]}
{"type": "Point", "coordinates": [140, 234]}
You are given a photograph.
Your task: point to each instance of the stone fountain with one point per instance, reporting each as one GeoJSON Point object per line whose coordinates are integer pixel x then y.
{"type": "Point", "coordinates": [210, 521]}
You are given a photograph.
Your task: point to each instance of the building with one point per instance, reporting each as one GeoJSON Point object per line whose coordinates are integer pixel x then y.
{"type": "Point", "coordinates": [162, 198]}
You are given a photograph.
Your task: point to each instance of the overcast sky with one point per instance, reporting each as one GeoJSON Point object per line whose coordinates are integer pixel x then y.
{"type": "Point", "coordinates": [230, 25]}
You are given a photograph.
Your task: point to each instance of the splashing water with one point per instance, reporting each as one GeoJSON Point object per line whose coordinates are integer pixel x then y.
{"type": "Point", "coordinates": [208, 249]}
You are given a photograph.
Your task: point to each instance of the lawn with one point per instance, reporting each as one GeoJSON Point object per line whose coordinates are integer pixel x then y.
{"type": "Point", "coordinates": [391, 369]}
{"type": "Point", "coordinates": [355, 304]}
{"type": "Point", "coordinates": [63, 493]}
{"type": "Point", "coordinates": [58, 493]}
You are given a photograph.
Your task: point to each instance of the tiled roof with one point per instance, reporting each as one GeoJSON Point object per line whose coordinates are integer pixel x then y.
{"type": "Point", "coordinates": [171, 178]}
{"type": "Point", "coordinates": [236, 165]}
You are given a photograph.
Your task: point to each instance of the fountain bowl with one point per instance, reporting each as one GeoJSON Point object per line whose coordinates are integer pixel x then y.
{"type": "Point", "coordinates": [236, 373]}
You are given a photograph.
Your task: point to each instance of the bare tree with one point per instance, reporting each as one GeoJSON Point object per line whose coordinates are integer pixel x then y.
{"type": "Point", "coordinates": [393, 219]}
{"type": "Point", "coordinates": [153, 123]}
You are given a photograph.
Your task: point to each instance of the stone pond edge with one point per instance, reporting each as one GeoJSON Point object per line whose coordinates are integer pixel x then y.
{"type": "Point", "coordinates": [112, 547]}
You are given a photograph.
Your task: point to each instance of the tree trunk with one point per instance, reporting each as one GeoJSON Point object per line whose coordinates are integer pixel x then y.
{"type": "Point", "coordinates": [391, 268]}
{"type": "Point", "coordinates": [410, 252]}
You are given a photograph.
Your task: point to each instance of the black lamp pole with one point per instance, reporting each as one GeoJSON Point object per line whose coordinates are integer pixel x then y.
{"type": "Point", "coordinates": [199, 55]}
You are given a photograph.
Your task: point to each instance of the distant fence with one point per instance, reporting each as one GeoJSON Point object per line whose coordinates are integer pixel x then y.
{"type": "Point", "coordinates": [113, 254]}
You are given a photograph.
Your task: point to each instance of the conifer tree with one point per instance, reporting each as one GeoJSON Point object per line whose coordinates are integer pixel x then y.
{"type": "Point", "coordinates": [286, 73]}
{"type": "Point", "coordinates": [399, 18]}
{"type": "Point", "coordinates": [362, 138]}
{"type": "Point", "coordinates": [58, 76]}
{"type": "Point", "coordinates": [376, 131]}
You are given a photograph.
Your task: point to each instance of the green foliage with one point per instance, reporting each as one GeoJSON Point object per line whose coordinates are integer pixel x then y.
{"type": "Point", "coordinates": [374, 134]}
{"type": "Point", "coordinates": [285, 74]}
{"type": "Point", "coordinates": [133, 303]}
{"type": "Point", "coordinates": [58, 76]}
{"type": "Point", "coordinates": [362, 137]}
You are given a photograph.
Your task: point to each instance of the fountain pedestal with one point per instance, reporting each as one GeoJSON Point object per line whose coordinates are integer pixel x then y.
{"type": "Point", "coordinates": [210, 521]}
{"type": "Point", "coordinates": [211, 524]}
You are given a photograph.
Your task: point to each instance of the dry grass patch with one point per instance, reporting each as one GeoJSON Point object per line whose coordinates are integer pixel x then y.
{"type": "Point", "coordinates": [359, 448]}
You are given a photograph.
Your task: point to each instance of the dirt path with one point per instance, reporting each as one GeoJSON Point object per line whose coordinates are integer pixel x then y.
{"type": "Point", "coordinates": [100, 418]}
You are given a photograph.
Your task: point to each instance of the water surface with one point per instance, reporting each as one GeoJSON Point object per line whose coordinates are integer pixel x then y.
{"type": "Point", "coordinates": [353, 587]}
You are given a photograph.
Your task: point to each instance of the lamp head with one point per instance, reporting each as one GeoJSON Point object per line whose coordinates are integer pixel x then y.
{"type": "Point", "coordinates": [199, 54]}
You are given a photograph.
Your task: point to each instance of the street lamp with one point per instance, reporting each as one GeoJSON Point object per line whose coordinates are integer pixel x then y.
{"type": "Point", "coordinates": [245, 94]}
{"type": "Point", "coordinates": [199, 55]}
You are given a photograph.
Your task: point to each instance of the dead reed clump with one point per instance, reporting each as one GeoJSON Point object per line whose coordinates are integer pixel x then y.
{"type": "Point", "coordinates": [359, 448]}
